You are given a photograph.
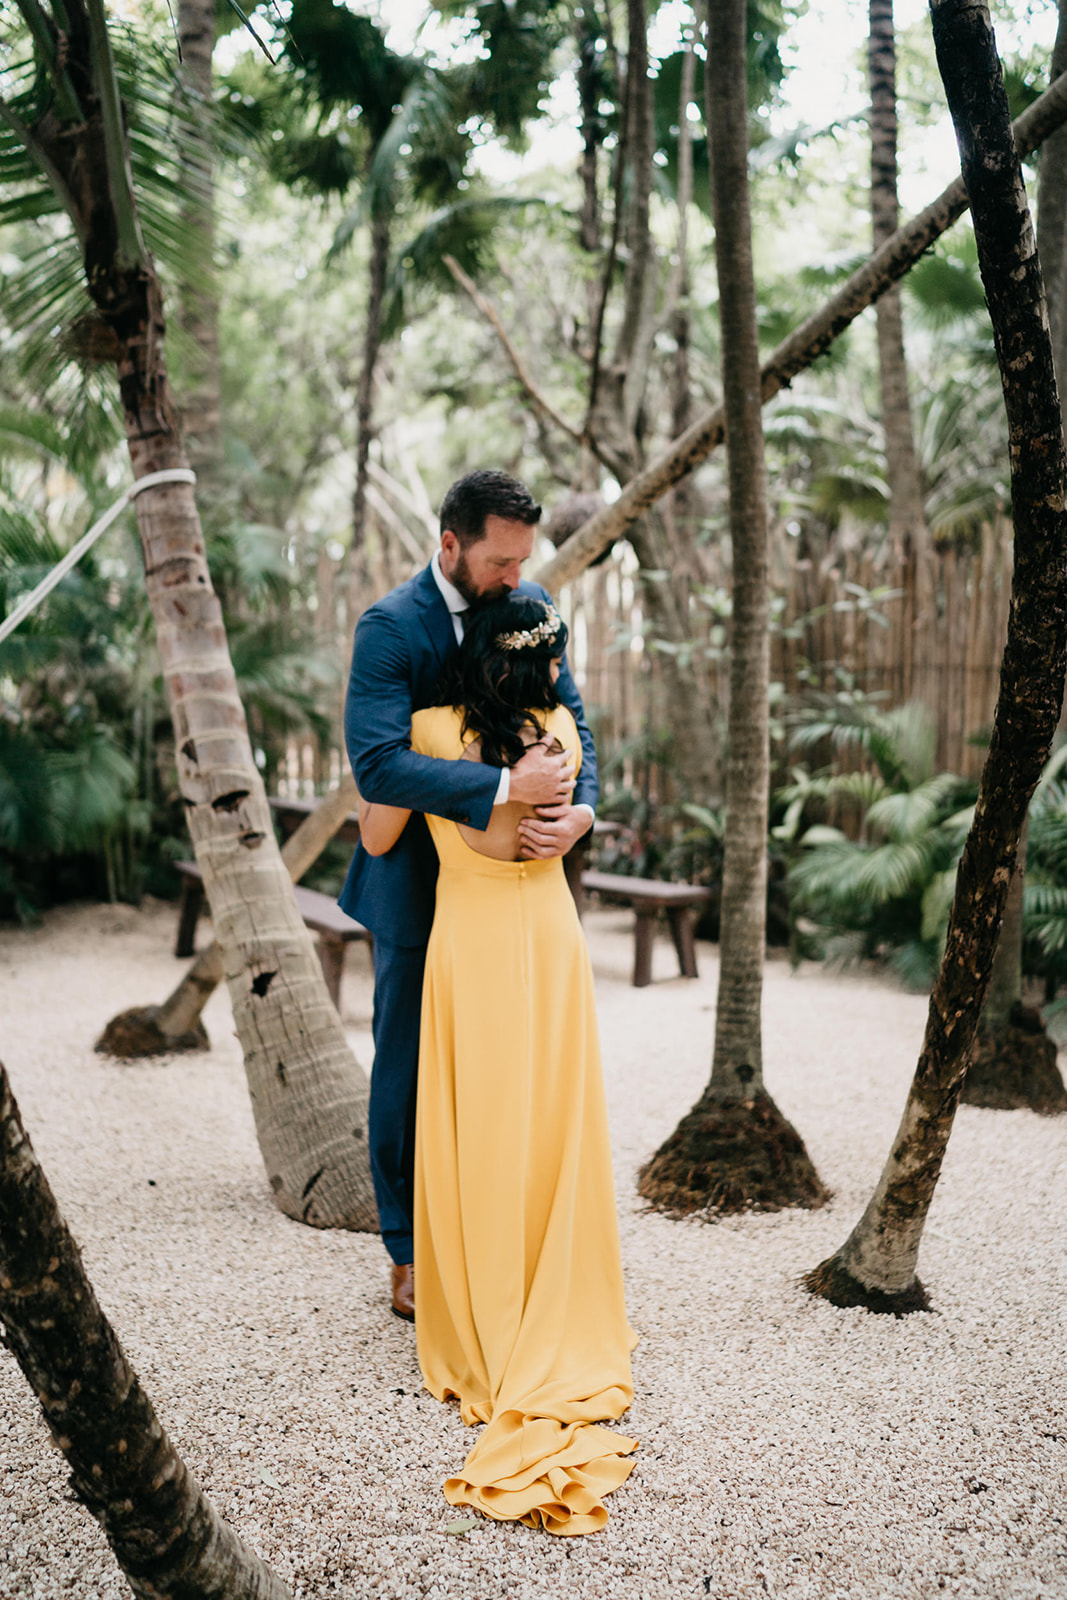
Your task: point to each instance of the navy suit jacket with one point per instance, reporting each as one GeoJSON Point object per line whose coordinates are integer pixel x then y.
{"type": "Point", "coordinates": [402, 643]}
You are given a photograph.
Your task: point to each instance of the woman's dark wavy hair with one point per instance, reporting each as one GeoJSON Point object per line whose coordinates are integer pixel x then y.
{"type": "Point", "coordinates": [498, 690]}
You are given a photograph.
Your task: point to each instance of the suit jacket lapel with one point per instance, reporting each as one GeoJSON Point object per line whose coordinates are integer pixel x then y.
{"type": "Point", "coordinates": [434, 616]}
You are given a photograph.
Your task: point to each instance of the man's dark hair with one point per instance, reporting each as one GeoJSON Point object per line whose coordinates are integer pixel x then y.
{"type": "Point", "coordinates": [486, 494]}
{"type": "Point", "coordinates": [501, 686]}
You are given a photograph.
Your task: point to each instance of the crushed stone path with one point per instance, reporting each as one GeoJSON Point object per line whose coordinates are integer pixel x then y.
{"type": "Point", "coordinates": [788, 1449]}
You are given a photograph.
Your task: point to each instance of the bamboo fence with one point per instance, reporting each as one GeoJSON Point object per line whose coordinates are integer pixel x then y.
{"type": "Point", "coordinates": [842, 624]}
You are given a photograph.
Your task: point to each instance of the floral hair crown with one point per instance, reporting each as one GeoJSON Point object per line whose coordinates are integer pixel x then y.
{"type": "Point", "coordinates": [529, 637]}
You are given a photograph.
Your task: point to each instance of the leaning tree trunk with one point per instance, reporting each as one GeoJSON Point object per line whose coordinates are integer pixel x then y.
{"type": "Point", "coordinates": [309, 1096]}
{"type": "Point", "coordinates": [803, 346]}
{"type": "Point", "coordinates": [735, 1151]}
{"type": "Point", "coordinates": [1013, 1063]}
{"type": "Point", "coordinates": [167, 1536]}
{"type": "Point", "coordinates": [876, 1265]}
{"type": "Point", "coordinates": [176, 1025]}
{"type": "Point", "coordinates": [908, 532]}
{"type": "Point", "coordinates": [201, 410]}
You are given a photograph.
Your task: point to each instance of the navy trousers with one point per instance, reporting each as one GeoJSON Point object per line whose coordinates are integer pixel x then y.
{"type": "Point", "coordinates": [398, 971]}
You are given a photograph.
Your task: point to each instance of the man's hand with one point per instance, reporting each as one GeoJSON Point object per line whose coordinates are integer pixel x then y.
{"type": "Point", "coordinates": [552, 832]}
{"type": "Point", "coordinates": [541, 779]}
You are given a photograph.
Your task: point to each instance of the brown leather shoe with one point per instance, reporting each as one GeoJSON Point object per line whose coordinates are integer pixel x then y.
{"type": "Point", "coordinates": [404, 1291]}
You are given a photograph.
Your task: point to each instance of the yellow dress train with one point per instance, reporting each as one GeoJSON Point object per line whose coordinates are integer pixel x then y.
{"type": "Point", "coordinates": [518, 1280]}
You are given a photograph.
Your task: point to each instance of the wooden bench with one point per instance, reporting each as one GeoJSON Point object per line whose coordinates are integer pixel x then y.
{"type": "Point", "coordinates": [649, 897]}
{"type": "Point", "coordinates": [291, 813]}
{"type": "Point", "coordinates": [321, 914]}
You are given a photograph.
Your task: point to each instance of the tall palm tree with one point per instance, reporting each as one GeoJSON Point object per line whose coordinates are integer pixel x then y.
{"type": "Point", "coordinates": [309, 1095]}
{"type": "Point", "coordinates": [876, 1266]}
{"type": "Point", "coordinates": [907, 522]}
{"type": "Point", "coordinates": [735, 1150]}
{"type": "Point", "coordinates": [198, 293]}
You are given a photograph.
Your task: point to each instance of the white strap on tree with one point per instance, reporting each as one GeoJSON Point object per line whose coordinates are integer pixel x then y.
{"type": "Point", "coordinates": [86, 542]}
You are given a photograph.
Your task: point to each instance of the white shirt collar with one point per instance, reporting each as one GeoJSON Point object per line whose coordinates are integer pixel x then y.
{"type": "Point", "coordinates": [449, 593]}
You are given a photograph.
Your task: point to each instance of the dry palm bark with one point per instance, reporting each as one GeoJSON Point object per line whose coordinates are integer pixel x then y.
{"type": "Point", "coordinates": [175, 1025]}
{"type": "Point", "coordinates": [309, 1095]}
{"type": "Point", "coordinates": [735, 1150]}
{"type": "Point", "coordinates": [167, 1536]}
{"type": "Point", "coordinates": [804, 345]}
{"type": "Point", "coordinates": [876, 1266]}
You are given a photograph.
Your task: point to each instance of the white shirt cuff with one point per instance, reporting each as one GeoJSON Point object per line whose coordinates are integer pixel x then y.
{"type": "Point", "coordinates": [503, 787]}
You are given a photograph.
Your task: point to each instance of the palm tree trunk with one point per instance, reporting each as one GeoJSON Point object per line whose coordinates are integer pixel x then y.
{"type": "Point", "coordinates": [907, 520]}
{"type": "Point", "coordinates": [176, 1024]}
{"type": "Point", "coordinates": [167, 1536]}
{"type": "Point", "coordinates": [309, 1095]}
{"type": "Point", "coordinates": [201, 410]}
{"type": "Point", "coordinates": [803, 346]}
{"type": "Point", "coordinates": [876, 1266]}
{"type": "Point", "coordinates": [735, 1150]}
{"type": "Point", "coordinates": [1013, 1062]}
{"type": "Point", "coordinates": [372, 343]}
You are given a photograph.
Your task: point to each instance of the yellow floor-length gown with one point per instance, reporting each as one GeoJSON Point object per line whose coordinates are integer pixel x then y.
{"type": "Point", "coordinates": [518, 1280]}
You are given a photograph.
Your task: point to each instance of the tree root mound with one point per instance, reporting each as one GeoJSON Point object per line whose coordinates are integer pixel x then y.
{"type": "Point", "coordinates": [831, 1281]}
{"type": "Point", "coordinates": [731, 1157]}
{"type": "Point", "coordinates": [1015, 1068]}
{"type": "Point", "coordinates": [135, 1034]}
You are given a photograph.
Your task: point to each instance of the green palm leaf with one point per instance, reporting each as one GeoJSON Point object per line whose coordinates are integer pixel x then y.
{"type": "Point", "coordinates": [92, 786]}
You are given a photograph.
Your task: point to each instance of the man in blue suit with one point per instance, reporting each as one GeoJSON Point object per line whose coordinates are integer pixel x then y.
{"type": "Point", "coordinates": [402, 644]}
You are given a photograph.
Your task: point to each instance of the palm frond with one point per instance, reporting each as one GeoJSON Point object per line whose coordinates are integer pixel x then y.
{"type": "Point", "coordinates": [915, 963]}
{"type": "Point", "coordinates": [92, 785]}
{"type": "Point", "coordinates": [906, 815]}
{"type": "Point", "coordinates": [27, 798]}
{"type": "Point", "coordinates": [465, 230]}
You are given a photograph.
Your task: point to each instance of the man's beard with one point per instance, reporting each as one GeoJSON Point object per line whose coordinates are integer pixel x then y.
{"type": "Point", "coordinates": [461, 579]}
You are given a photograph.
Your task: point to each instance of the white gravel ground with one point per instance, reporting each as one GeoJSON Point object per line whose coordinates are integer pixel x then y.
{"type": "Point", "coordinates": [787, 1448]}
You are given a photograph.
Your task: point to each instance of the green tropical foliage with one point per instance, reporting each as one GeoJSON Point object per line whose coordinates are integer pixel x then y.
{"type": "Point", "coordinates": [89, 801]}
{"type": "Point", "coordinates": [356, 120]}
{"type": "Point", "coordinates": [1045, 890]}
{"type": "Point", "coordinates": [884, 887]}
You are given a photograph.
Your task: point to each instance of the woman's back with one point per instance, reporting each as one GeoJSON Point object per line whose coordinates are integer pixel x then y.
{"type": "Point", "coordinates": [437, 732]}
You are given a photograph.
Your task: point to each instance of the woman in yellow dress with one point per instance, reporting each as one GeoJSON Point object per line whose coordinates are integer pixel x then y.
{"type": "Point", "coordinates": [518, 1282]}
